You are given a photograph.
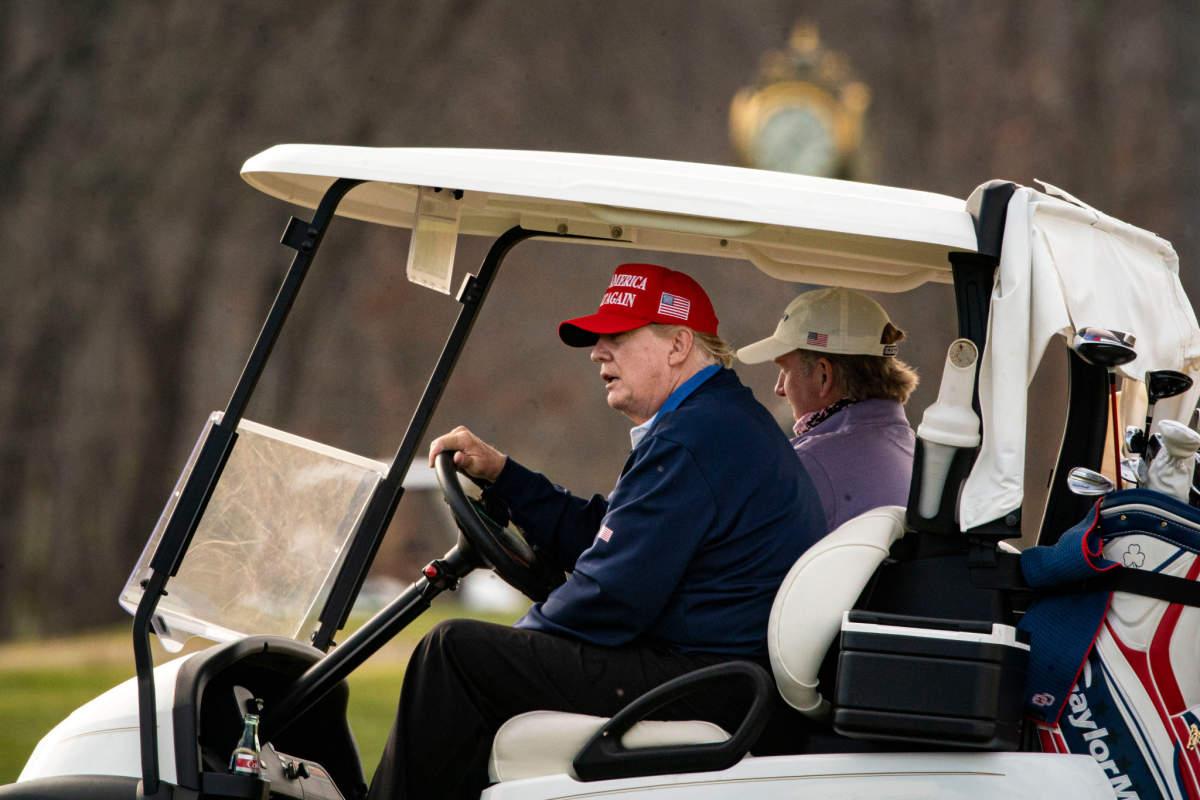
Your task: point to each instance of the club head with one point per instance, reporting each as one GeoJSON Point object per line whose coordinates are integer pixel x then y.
{"type": "Point", "coordinates": [1102, 347]}
{"type": "Point", "coordinates": [1153, 445]}
{"type": "Point", "coordinates": [1131, 471]}
{"type": "Point", "coordinates": [1135, 439]}
{"type": "Point", "coordinates": [1127, 338]}
{"type": "Point", "coordinates": [1164, 383]}
{"type": "Point", "coordinates": [1088, 483]}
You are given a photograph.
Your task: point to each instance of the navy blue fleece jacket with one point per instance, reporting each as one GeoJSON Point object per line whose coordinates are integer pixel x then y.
{"type": "Point", "coordinates": [710, 512]}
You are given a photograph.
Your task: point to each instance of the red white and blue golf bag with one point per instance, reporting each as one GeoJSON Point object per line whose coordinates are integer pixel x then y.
{"type": "Point", "coordinates": [1114, 668]}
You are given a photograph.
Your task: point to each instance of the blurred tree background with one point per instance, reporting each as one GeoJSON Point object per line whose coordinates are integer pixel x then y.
{"type": "Point", "coordinates": [136, 266]}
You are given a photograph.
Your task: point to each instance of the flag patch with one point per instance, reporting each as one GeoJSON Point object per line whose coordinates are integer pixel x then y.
{"type": "Point", "coordinates": [818, 339]}
{"type": "Point", "coordinates": [605, 533]}
{"type": "Point", "coordinates": [672, 305]}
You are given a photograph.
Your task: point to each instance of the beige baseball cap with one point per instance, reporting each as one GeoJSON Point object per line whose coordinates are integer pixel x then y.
{"type": "Point", "coordinates": [832, 320]}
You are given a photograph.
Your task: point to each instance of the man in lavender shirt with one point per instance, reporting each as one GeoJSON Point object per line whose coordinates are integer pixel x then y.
{"type": "Point", "coordinates": [836, 351]}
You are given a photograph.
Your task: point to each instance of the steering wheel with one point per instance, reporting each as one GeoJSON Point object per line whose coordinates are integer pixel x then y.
{"type": "Point", "coordinates": [515, 560]}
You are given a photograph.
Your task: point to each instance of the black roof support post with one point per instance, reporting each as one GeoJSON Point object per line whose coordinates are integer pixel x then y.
{"type": "Point", "coordinates": [974, 276]}
{"type": "Point", "coordinates": [975, 273]}
{"type": "Point", "coordinates": [193, 499]}
{"type": "Point", "coordinates": [974, 279]}
{"type": "Point", "coordinates": [382, 505]}
{"type": "Point", "coordinates": [1082, 446]}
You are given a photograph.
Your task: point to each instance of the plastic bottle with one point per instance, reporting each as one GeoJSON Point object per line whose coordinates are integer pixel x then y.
{"type": "Point", "coordinates": [247, 756]}
{"type": "Point", "coordinates": [948, 424]}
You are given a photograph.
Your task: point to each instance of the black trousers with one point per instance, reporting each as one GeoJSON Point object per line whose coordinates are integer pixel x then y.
{"type": "Point", "coordinates": [467, 678]}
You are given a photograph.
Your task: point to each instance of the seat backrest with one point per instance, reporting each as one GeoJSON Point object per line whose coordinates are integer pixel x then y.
{"type": "Point", "coordinates": [823, 584]}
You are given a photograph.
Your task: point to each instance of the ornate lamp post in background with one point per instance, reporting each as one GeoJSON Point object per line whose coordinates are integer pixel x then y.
{"type": "Point", "coordinates": [804, 114]}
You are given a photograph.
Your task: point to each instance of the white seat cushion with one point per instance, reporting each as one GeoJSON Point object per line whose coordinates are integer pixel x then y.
{"type": "Point", "coordinates": [546, 742]}
{"type": "Point", "coordinates": [824, 582]}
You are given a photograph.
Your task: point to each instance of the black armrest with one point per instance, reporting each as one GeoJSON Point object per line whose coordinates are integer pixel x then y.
{"type": "Point", "coordinates": [604, 758]}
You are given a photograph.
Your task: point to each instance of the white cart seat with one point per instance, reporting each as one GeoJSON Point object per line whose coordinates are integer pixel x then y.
{"type": "Point", "coordinates": [546, 742]}
{"type": "Point", "coordinates": [824, 583]}
{"type": "Point", "coordinates": [805, 618]}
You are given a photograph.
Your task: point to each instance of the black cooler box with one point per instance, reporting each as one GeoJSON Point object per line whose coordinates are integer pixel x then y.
{"type": "Point", "coordinates": [944, 682]}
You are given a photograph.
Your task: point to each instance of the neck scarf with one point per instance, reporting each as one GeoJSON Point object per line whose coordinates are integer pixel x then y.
{"type": "Point", "coordinates": [815, 418]}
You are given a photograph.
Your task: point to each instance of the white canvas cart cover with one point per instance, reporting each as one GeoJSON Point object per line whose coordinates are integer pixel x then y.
{"type": "Point", "coordinates": [1065, 266]}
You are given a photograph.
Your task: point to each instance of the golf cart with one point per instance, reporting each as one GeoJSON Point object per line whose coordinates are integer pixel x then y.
{"type": "Point", "coordinates": [267, 538]}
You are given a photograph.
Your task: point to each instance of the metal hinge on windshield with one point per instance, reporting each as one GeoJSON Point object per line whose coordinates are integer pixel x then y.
{"type": "Point", "coordinates": [471, 291]}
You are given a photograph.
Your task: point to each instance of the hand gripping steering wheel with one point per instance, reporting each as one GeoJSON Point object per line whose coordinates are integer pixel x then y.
{"type": "Point", "coordinates": [515, 560]}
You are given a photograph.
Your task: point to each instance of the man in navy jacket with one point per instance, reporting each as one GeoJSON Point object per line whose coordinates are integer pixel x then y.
{"type": "Point", "coordinates": [676, 570]}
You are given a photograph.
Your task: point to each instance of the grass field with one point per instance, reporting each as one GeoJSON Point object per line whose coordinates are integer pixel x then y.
{"type": "Point", "coordinates": [42, 682]}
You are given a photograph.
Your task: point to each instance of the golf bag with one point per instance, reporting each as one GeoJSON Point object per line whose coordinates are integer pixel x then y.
{"type": "Point", "coordinates": [1115, 667]}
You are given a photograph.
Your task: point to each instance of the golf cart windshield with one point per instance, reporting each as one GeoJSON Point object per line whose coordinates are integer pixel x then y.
{"type": "Point", "coordinates": [271, 538]}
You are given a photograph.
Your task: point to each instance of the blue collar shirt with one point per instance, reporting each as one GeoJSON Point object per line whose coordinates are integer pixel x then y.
{"type": "Point", "coordinates": [678, 396]}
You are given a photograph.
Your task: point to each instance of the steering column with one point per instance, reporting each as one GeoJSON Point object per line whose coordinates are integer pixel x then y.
{"type": "Point", "coordinates": [483, 541]}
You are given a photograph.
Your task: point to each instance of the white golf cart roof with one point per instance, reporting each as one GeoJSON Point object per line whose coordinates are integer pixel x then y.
{"type": "Point", "coordinates": [793, 227]}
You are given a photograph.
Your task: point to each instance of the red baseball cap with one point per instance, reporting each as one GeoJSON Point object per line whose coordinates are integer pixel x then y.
{"type": "Point", "coordinates": [638, 295]}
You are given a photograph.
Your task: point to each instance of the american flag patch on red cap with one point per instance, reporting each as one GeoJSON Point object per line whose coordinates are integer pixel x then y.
{"type": "Point", "coordinates": [672, 305]}
{"type": "Point", "coordinates": [605, 533]}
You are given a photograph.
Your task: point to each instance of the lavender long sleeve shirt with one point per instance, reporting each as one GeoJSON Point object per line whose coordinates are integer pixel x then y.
{"type": "Point", "coordinates": [858, 459]}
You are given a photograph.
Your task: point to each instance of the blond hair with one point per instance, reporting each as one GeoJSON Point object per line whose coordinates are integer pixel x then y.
{"type": "Point", "coordinates": [712, 348]}
{"type": "Point", "coordinates": [869, 377]}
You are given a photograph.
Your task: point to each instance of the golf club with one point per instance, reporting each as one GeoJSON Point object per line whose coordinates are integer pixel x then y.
{"type": "Point", "coordinates": [1088, 483]}
{"type": "Point", "coordinates": [1153, 447]}
{"type": "Point", "coordinates": [1161, 384]}
{"type": "Point", "coordinates": [1135, 441]}
{"type": "Point", "coordinates": [1108, 349]}
{"type": "Point", "coordinates": [1133, 470]}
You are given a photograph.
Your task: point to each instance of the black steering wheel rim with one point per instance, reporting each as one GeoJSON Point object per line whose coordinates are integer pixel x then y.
{"type": "Point", "coordinates": [512, 558]}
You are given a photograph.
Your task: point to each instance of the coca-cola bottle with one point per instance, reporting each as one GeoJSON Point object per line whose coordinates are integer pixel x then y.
{"type": "Point", "coordinates": [246, 759]}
